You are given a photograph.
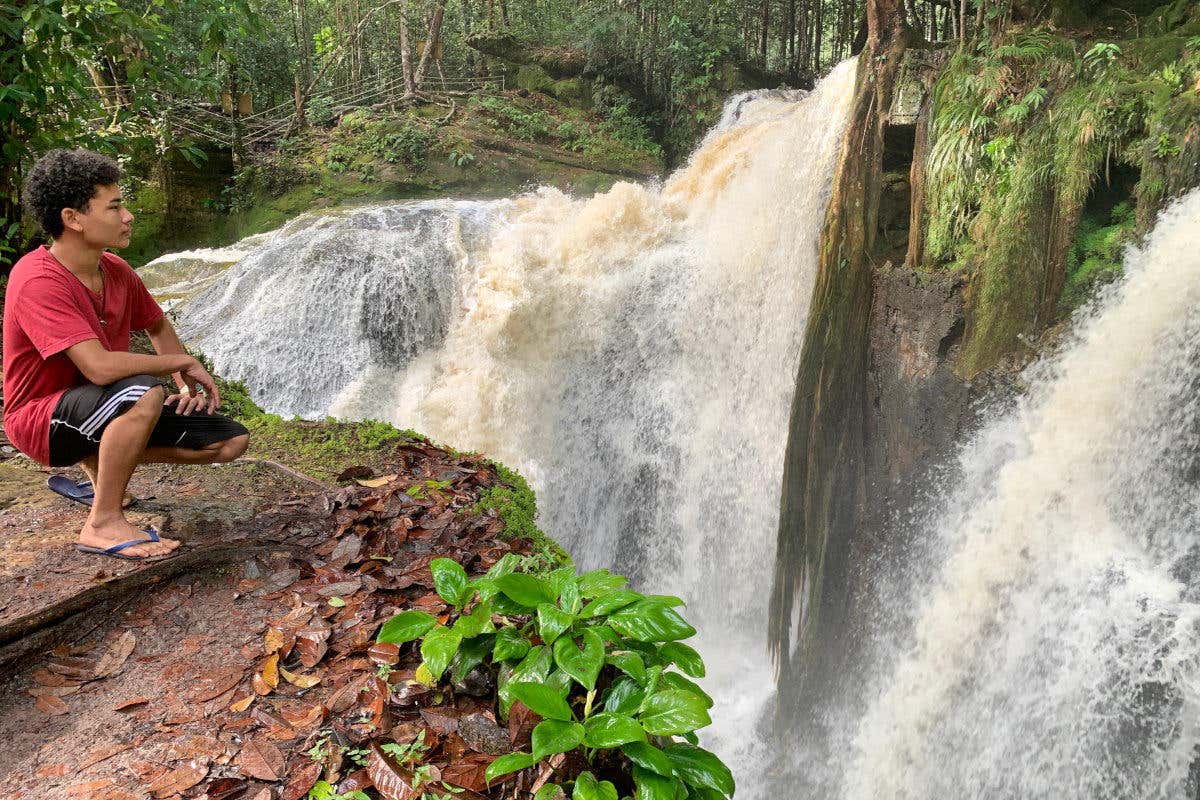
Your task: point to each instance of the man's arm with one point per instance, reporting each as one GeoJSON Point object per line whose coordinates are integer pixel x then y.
{"type": "Point", "coordinates": [102, 366]}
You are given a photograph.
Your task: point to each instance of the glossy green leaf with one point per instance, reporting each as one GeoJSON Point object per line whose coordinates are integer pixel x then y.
{"type": "Point", "coordinates": [612, 730]}
{"type": "Point", "coordinates": [581, 664]}
{"type": "Point", "coordinates": [652, 786]}
{"type": "Point", "coordinates": [560, 681]}
{"type": "Point", "coordinates": [685, 657]}
{"type": "Point", "coordinates": [673, 680]}
{"type": "Point", "coordinates": [471, 654]}
{"type": "Point", "coordinates": [666, 600]}
{"type": "Point", "coordinates": [609, 602]}
{"type": "Point", "coordinates": [437, 648]}
{"type": "Point", "coordinates": [511, 644]}
{"type": "Point", "coordinates": [551, 791]}
{"type": "Point", "coordinates": [599, 581]}
{"type": "Point", "coordinates": [671, 712]}
{"type": "Point", "coordinates": [527, 590]}
{"type": "Point", "coordinates": [477, 622]}
{"type": "Point", "coordinates": [569, 598]}
{"type": "Point", "coordinates": [649, 757]}
{"type": "Point", "coordinates": [588, 788]}
{"type": "Point", "coordinates": [552, 621]}
{"type": "Point", "coordinates": [543, 700]}
{"type": "Point", "coordinates": [648, 621]}
{"type": "Point", "coordinates": [509, 763]}
{"type": "Point", "coordinates": [553, 736]}
{"type": "Point", "coordinates": [630, 663]}
{"type": "Point", "coordinates": [406, 626]}
{"type": "Point", "coordinates": [624, 697]}
{"type": "Point", "coordinates": [450, 580]}
{"type": "Point", "coordinates": [698, 767]}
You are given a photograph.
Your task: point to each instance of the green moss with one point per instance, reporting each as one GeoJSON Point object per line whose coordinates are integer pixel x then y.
{"type": "Point", "coordinates": [533, 78]}
{"type": "Point", "coordinates": [322, 449]}
{"type": "Point", "coordinates": [1024, 122]}
{"type": "Point", "coordinates": [516, 504]}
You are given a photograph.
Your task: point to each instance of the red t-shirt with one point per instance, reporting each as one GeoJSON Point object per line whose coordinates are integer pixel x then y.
{"type": "Point", "coordinates": [46, 310]}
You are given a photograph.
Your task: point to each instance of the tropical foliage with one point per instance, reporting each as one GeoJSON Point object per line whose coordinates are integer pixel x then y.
{"type": "Point", "coordinates": [603, 666]}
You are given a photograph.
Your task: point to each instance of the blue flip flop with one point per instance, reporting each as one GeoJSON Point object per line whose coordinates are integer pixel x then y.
{"type": "Point", "coordinates": [115, 550]}
{"type": "Point", "coordinates": [82, 492]}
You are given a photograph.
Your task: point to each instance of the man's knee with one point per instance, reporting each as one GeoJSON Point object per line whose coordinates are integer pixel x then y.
{"type": "Point", "coordinates": [150, 405]}
{"type": "Point", "coordinates": [233, 448]}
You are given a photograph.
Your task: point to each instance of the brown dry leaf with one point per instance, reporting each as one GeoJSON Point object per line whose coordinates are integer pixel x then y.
{"type": "Point", "coordinates": [44, 677]}
{"type": "Point", "coordinates": [270, 671]}
{"type": "Point", "coordinates": [301, 781]}
{"type": "Point", "coordinates": [105, 753]}
{"type": "Point", "coordinates": [214, 684]}
{"type": "Point", "coordinates": [51, 706]}
{"type": "Point", "coordinates": [272, 641]}
{"type": "Point", "coordinates": [82, 669]}
{"type": "Point", "coordinates": [469, 773]}
{"type": "Point", "coordinates": [392, 781]}
{"type": "Point", "coordinates": [180, 779]}
{"type": "Point", "coordinates": [311, 644]}
{"type": "Point", "coordinates": [132, 702]}
{"type": "Point", "coordinates": [313, 715]}
{"type": "Point", "coordinates": [260, 686]}
{"type": "Point", "coordinates": [384, 653]}
{"type": "Point", "coordinates": [225, 788]}
{"type": "Point", "coordinates": [261, 759]}
{"type": "Point", "coordinates": [112, 661]}
{"type": "Point", "coordinates": [238, 706]}
{"type": "Point", "coordinates": [303, 681]}
{"type": "Point", "coordinates": [375, 483]}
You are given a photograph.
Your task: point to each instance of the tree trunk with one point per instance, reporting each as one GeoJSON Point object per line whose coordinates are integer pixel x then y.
{"type": "Point", "coordinates": [432, 41]}
{"type": "Point", "coordinates": [824, 480]}
{"type": "Point", "coordinates": [410, 86]}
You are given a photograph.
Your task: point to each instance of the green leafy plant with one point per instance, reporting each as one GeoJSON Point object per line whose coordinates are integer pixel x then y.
{"type": "Point", "coordinates": [604, 667]}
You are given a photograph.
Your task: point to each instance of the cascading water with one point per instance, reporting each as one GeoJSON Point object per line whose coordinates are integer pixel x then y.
{"type": "Point", "coordinates": [634, 353]}
{"type": "Point", "coordinates": [1047, 641]}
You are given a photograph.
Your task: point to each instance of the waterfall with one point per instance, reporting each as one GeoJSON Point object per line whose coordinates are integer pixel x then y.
{"type": "Point", "coordinates": [1045, 640]}
{"type": "Point", "coordinates": [634, 353]}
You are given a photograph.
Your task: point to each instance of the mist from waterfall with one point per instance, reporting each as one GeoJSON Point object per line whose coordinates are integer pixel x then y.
{"type": "Point", "coordinates": [1044, 640]}
{"type": "Point", "coordinates": [633, 353]}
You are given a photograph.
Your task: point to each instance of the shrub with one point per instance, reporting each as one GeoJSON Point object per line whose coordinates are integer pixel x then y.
{"type": "Point", "coordinates": [603, 666]}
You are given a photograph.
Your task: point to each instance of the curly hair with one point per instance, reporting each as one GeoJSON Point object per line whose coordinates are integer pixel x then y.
{"type": "Point", "coordinates": [65, 179]}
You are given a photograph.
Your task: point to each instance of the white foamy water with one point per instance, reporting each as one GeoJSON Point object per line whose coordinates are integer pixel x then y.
{"type": "Point", "coordinates": [1055, 652]}
{"type": "Point", "coordinates": [634, 353]}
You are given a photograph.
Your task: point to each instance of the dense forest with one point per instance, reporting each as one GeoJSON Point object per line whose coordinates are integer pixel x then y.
{"type": "Point", "coordinates": [123, 80]}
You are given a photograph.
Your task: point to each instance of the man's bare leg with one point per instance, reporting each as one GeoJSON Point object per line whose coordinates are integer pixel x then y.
{"type": "Point", "coordinates": [90, 465]}
{"type": "Point", "coordinates": [122, 445]}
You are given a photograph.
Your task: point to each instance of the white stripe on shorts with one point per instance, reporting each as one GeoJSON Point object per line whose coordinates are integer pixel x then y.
{"type": "Point", "coordinates": [109, 408]}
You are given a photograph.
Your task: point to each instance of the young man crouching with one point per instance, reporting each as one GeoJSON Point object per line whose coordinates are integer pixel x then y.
{"type": "Point", "coordinates": [73, 393]}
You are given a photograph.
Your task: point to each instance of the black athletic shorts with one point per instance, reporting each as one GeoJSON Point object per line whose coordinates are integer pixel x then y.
{"type": "Point", "coordinates": [84, 412]}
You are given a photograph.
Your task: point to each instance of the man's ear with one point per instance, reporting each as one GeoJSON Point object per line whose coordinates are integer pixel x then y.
{"type": "Point", "coordinates": [70, 219]}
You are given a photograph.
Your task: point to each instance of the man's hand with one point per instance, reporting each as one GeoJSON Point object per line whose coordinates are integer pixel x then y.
{"type": "Point", "coordinates": [185, 402]}
{"type": "Point", "coordinates": [196, 376]}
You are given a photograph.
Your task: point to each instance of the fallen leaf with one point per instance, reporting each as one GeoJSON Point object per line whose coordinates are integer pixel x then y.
{"type": "Point", "coordinates": [115, 658]}
{"type": "Point", "coordinates": [272, 641]}
{"type": "Point", "coordinates": [261, 759]}
{"type": "Point", "coordinates": [302, 780]}
{"type": "Point", "coordinates": [270, 671]}
{"type": "Point", "coordinates": [375, 483]}
{"type": "Point", "coordinates": [51, 706]}
{"type": "Point", "coordinates": [337, 602]}
{"type": "Point", "coordinates": [384, 653]}
{"type": "Point", "coordinates": [105, 753]}
{"type": "Point", "coordinates": [311, 645]}
{"type": "Point", "coordinates": [214, 684]}
{"type": "Point", "coordinates": [226, 788]}
{"type": "Point", "coordinates": [132, 702]}
{"type": "Point", "coordinates": [303, 681]}
{"type": "Point", "coordinates": [44, 677]}
{"type": "Point", "coordinates": [180, 779]}
{"type": "Point", "coordinates": [238, 706]}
